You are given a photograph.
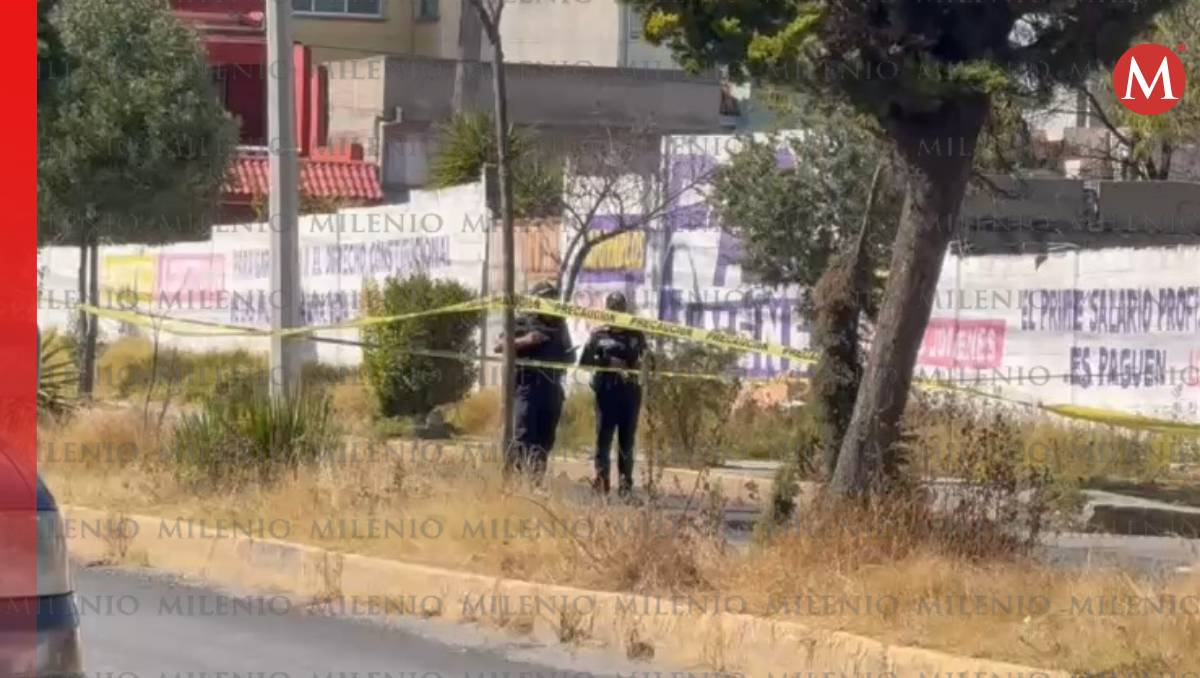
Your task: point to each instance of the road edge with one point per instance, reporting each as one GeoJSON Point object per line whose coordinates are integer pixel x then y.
{"type": "Point", "coordinates": [632, 626]}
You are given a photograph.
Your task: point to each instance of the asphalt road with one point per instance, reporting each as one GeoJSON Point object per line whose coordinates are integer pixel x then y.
{"type": "Point", "coordinates": [145, 624]}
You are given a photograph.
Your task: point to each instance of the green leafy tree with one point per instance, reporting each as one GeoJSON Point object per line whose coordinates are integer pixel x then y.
{"type": "Point", "coordinates": [1146, 145]}
{"type": "Point", "coordinates": [927, 72]}
{"type": "Point", "coordinates": [798, 200]}
{"type": "Point", "coordinates": [51, 56]}
{"type": "Point", "coordinates": [468, 142]}
{"type": "Point", "coordinates": [139, 146]}
{"type": "Point", "coordinates": [405, 383]}
{"type": "Point", "coordinates": [818, 209]}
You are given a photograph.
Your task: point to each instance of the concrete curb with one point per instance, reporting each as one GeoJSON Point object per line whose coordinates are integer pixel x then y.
{"type": "Point", "coordinates": [636, 627]}
{"type": "Point", "coordinates": [739, 489]}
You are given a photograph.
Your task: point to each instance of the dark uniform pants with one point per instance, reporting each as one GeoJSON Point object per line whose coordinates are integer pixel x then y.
{"type": "Point", "coordinates": [538, 408]}
{"type": "Point", "coordinates": [617, 408]}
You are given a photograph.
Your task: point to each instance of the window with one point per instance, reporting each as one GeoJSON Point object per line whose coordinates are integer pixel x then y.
{"type": "Point", "coordinates": [427, 10]}
{"type": "Point", "coordinates": [367, 8]}
{"type": "Point", "coordinates": [634, 19]}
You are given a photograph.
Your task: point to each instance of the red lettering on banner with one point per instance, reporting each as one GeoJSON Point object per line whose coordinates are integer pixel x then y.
{"type": "Point", "coordinates": [974, 344]}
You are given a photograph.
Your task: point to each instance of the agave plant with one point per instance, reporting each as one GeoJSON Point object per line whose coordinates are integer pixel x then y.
{"type": "Point", "coordinates": [57, 375]}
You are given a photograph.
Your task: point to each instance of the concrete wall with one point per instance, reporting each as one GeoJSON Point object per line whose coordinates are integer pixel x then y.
{"type": "Point", "coordinates": [570, 33]}
{"type": "Point", "coordinates": [552, 96]}
{"type": "Point", "coordinates": [563, 103]}
{"type": "Point", "coordinates": [1038, 215]}
{"type": "Point", "coordinates": [577, 33]}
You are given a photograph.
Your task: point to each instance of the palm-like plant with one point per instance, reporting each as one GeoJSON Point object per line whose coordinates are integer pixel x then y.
{"type": "Point", "coordinates": [57, 375]}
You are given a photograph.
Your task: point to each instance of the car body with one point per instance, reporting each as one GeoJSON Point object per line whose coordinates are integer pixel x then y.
{"type": "Point", "coordinates": [39, 619]}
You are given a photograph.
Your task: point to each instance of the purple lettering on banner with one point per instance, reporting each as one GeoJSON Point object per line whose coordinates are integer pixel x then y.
{"type": "Point", "coordinates": [688, 169]}
{"type": "Point", "coordinates": [687, 218]}
{"type": "Point", "coordinates": [1131, 311]}
{"type": "Point", "coordinates": [251, 264]}
{"type": "Point", "coordinates": [765, 318]}
{"type": "Point", "coordinates": [1120, 367]}
{"type": "Point", "coordinates": [729, 253]}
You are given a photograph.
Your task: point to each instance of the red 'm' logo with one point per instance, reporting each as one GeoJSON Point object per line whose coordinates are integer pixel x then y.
{"type": "Point", "coordinates": [1149, 79]}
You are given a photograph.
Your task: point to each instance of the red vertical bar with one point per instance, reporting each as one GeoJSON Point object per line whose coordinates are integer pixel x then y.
{"type": "Point", "coordinates": [318, 124]}
{"type": "Point", "coordinates": [18, 318]}
{"type": "Point", "coordinates": [303, 77]}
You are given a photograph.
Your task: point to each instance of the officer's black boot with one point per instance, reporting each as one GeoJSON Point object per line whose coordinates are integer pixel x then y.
{"type": "Point", "coordinates": [625, 488]}
{"type": "Point", "coordinates": [601, 484]}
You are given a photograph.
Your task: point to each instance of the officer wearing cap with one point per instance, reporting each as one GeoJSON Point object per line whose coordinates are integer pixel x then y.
{"type": "Point", "coordinates": [539, 389]}
{"type": "Point", "coordinates": [618, 394]}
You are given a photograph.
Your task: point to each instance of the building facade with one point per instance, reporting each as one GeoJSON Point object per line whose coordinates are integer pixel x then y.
{"type": "Point", "coordinates": [233, 35]}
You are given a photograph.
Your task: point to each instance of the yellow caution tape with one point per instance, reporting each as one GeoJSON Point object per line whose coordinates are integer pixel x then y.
{"type": "Point", "coordinates": [1123, 419]}
{"type": "Point", "coordinates": [179, 325]}
{"type": "Point", "coordinates": [629, 321]}
{"type": "Point", "coordinates": [651, 326]}
{"type": "Point", "coordinates": [524, 362]}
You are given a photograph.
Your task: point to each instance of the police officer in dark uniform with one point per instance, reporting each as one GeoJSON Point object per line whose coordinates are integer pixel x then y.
{"type": "Point", "coordinates": [539, 390]}
{"type": "Point", "coordinates": [618, 395]}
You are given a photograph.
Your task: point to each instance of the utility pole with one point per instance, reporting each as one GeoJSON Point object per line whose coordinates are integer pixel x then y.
{"type": "Point", "coordinates": [284, 197]}
{"type": "Point", "coordinates": [489, 18]}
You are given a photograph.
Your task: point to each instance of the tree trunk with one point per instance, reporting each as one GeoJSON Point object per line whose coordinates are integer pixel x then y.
{"type": "Point", "coordinates": [88, 367]}
{"type": "Point", "coordinates": [575, 258]}
{"type": "Point", "coordinates": [575, 267]}
{"type": "Point", "coordinates": [936, 179]}
{"type": "Point", "coordinates": [83, 318]}
{"type": "Point", "coordinates": [572, 278]}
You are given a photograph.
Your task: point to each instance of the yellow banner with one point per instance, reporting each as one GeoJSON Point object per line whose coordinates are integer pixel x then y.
{"type": "Point", "coordinates": [132, 275]}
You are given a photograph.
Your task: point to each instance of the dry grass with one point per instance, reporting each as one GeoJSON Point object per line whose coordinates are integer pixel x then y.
{"type": "Point", "coordinates": [387, 500]}
{"type": "Point", "coordinates": [478, 414]}
{"type": "Point", "coordinates": [949, 428]}
{"type": "Point", "coordinates": [352, 405]}
{"type": "Point", "coordinates": [893, 571]}
{"type": "Point", "coordinates": [898, 574]}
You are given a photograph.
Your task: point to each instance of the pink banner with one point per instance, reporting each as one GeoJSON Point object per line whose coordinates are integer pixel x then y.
{"type": "Point", "coordinates": [190, 279]}
{"type": "Point", "coordinates": [974, 344]}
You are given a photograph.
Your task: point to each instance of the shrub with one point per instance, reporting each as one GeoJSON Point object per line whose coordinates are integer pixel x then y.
{"type": "Point", "coordinates": [468, 142]}
{"type": "Point", "coordinates": [686, 421]}
{"type": "Point", "coordinates": [243, 435]}
{"type": "Point", "coordinates": [788, 434]}
{"type": "Point", "coordinates": [401, 382]}
{"type": "Point", "coordinates": [124, 367]}
{"type": "Point", "coordinates": [984, 448]}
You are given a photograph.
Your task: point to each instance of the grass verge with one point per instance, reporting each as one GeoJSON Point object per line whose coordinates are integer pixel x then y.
{"type": "Point", "coordinates": [894, 571]}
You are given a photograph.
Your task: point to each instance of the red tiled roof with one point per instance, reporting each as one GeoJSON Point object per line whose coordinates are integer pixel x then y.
{"type": "Point", "coordinates": [249, 23]}
{"type": "Point", "coordinates": [356, 180]}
